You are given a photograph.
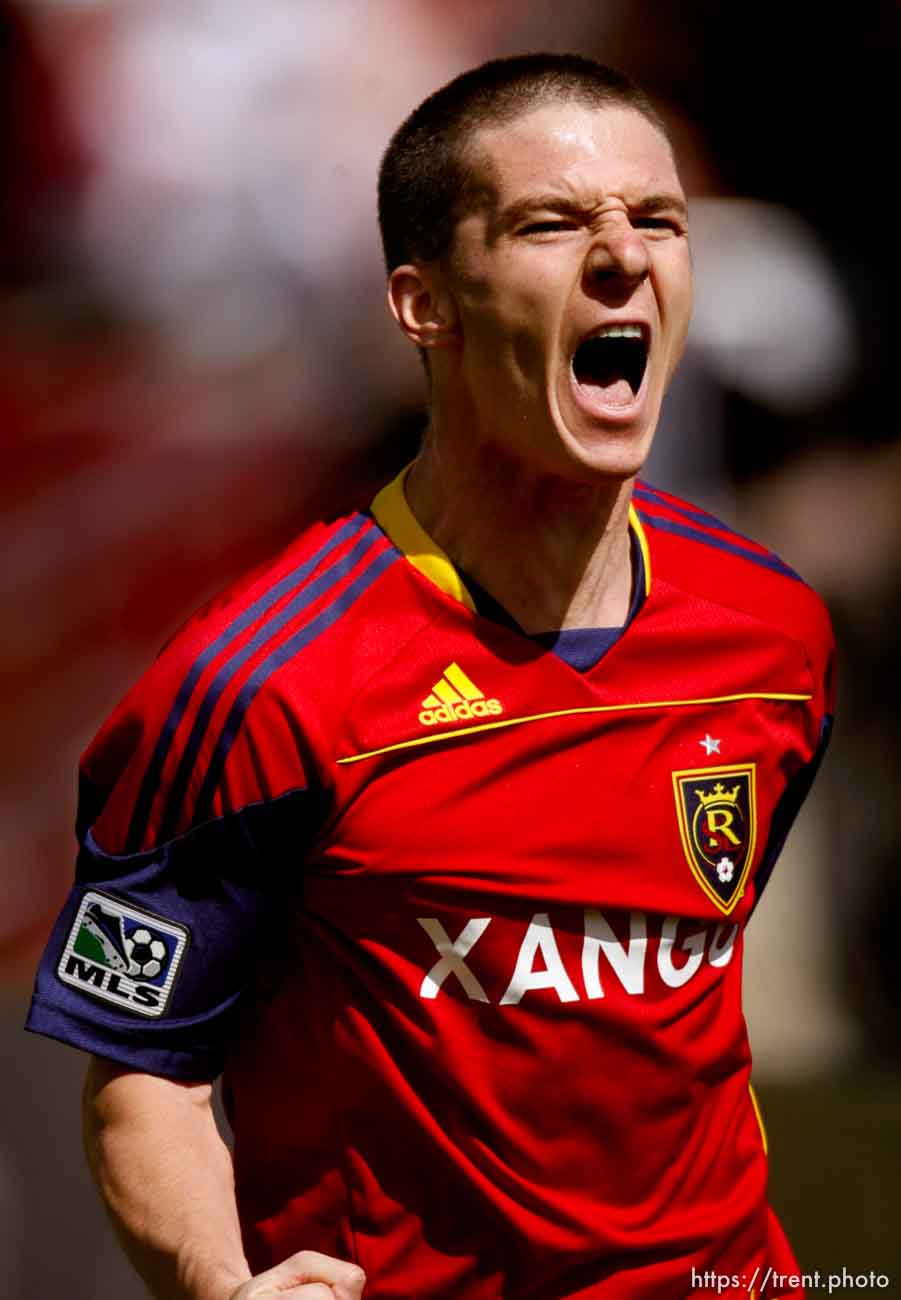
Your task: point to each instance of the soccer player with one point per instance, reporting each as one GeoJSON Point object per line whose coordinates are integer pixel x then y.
{"type": "Point", "coordinates": [439, 834]}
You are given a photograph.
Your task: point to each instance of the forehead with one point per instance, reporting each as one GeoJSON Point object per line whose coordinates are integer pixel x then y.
{"type": "Point", "coordinates": [582, 152]}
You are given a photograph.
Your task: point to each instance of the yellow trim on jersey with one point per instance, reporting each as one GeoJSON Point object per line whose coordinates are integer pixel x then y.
{"type": "Point", "coordinates": [568, 713]}
{"type": "Point", "coordinates": [393, 514]}
{"type": "Point", "coordinates": [760, 1124]}
{"type": "Point", "coordinates": [638, 528]}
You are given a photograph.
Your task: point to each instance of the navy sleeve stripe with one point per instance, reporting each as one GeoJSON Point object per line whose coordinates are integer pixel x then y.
{"type": "Point", "coordinates": [277, 659]}
{"type": "Point", "coordinates": [150, 783]}
{"type": "Point", "coordinates": [651, 495]}
{"type": "Point", "coordinates": [305, 597]}
{"type": "Point", "coordinates": [766, 560]}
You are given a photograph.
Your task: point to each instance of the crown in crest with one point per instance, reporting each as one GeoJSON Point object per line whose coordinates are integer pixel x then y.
{"type": "Point", "coordinates": [719, 794]}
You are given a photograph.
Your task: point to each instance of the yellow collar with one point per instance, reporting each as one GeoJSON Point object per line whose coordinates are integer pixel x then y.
{"type": "Point", "coordinates": [394, 516]}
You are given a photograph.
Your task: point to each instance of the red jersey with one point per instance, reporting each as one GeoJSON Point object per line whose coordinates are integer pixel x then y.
{"type": "Point", "coordinates": [461, 923]}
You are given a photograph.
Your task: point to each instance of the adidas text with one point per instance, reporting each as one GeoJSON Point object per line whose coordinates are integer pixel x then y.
{"type": "Point", "coordinates": [460, 712]}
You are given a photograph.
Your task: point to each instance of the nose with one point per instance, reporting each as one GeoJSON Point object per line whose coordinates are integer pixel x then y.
{"type": "Point", "coordinates": [618, 255]}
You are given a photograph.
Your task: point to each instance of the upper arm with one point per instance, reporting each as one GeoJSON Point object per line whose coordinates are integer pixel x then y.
{"type": "Point", "coordinates": [117, 1099]}
{"type": "Point", "coordinates": [111, 1088]}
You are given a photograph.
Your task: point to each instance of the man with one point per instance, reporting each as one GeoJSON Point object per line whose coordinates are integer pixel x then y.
{"type": "Point", "coordinates": [439, 834]}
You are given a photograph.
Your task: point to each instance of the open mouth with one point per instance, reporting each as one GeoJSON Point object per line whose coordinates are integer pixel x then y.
{"type": "Point", "coordinates": [610, 365]}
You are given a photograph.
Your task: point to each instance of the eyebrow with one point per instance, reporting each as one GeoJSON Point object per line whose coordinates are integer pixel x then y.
{"type": "Point", "coordinates": [663, 203]}
{"type": "Point", "coordinates": [520, 208]}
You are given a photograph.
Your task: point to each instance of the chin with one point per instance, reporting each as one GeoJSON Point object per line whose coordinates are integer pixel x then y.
{"type": "Point", "coordinates": [610, 453]}
{"type": "Point", "coordinates": [607, 440]}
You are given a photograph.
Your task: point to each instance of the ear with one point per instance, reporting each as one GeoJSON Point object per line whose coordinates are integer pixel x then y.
{"type": "Point", "coordinates": [422, 306]}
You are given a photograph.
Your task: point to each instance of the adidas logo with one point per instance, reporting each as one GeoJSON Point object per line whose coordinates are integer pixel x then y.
{"type": "Point", "coordinates": [455, 698]}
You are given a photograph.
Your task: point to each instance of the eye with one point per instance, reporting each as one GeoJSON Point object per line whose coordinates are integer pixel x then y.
{"type": "Point", "coordinates": [548, 226]}
{"type": "Point", "coordinates": [669, 225]}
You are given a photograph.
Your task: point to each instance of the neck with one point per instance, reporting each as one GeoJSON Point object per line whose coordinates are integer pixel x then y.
{"type": "Point", "coordinates": [554, 553]}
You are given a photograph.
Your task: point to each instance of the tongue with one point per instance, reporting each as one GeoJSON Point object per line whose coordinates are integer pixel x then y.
{"type": "Point", "coordinates": [612, 391]}
{"type": "Point", "coordinates": [606, 370]}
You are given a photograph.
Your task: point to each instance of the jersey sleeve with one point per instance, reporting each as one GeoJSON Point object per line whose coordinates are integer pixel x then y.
{"type": "Point", "coordinates": [192, 827]}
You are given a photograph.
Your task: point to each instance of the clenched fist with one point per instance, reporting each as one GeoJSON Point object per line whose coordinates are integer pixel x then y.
{"type": "Point", "coordinates": [306, 1276]}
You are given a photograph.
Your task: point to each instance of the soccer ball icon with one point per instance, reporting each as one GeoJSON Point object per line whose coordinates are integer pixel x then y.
{"type": "Point", "coordinates": [145, 954]}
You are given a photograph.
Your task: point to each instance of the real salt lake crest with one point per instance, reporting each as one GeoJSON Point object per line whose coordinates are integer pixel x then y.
{"type": "Point", "coordinates": [716, 809]}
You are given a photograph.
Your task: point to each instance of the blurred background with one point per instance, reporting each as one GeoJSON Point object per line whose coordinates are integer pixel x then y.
{"type": "Point", "coordinates": [196, 361]}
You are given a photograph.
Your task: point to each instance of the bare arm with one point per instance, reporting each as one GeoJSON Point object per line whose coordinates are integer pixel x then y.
{"type": "Point", "coordinates": [166, 1178]}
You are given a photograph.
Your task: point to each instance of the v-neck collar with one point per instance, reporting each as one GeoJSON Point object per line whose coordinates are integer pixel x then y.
{"type": "Point", "coordinates": [394, 516]}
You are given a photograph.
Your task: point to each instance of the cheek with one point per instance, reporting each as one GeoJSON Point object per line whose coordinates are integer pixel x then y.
{"type": "Point", "coordinates": [509, 313]}
{"type": "Point", "coordinates": [514, 288]}
{"type": "Point", "coordinates": [507, 317]}
{"type": "Point", "coordinates": [486, 337]}
{"type": "Point", "coordinates": [676, 296]}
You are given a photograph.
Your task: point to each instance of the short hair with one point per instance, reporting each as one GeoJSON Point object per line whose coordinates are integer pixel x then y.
{"type": "Point", "coordinates": [426, 178]}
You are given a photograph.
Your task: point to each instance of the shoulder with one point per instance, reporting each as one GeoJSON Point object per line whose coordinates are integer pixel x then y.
{"type": "Point", "coordinates": [706, 558]}
{"type": "Point", "coordinates": [228, 713]}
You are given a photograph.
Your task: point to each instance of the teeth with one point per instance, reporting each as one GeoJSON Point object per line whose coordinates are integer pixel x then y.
{"type": "Point", "coordinates": [619, 332]}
